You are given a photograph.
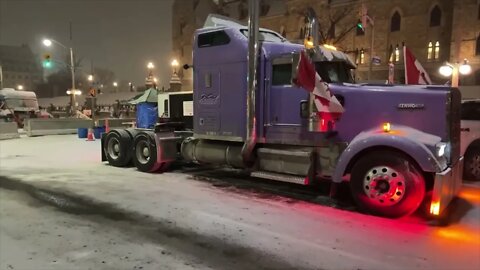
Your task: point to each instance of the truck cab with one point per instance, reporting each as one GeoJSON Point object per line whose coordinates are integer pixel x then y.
{"type": "Point", "coordinates": [393, 144]}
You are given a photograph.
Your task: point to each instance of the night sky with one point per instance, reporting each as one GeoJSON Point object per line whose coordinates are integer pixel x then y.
{"type": "Point", "coordinates": [122, 35]}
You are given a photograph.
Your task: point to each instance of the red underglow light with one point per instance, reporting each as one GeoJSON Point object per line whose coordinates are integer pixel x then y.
{"type": "Point", "coordinates": [435, 208]}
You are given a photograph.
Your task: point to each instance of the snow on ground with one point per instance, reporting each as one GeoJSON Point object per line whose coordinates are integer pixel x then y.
{"type": "Point", "coordinates": [202, 225]}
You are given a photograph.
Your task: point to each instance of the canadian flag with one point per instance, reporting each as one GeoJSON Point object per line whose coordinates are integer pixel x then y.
{"type": "Point", "coordinates": [414, 72]}
{"type": "Point", "coordinates": [328, 107]}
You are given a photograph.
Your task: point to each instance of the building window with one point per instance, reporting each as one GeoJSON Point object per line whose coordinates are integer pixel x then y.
{"type": "Point", "coordinates": [433, 52]}
{"type": "Point", "coordinates": [437, 50]}
{"type": "Point", "coordinates": [362, 57]}
{"type": "Point", "coordinates": [435, 17]}
{"type": "Point", "coordinates": [477, 48]}
{"type": "Point", "coordinates": [395, 22]}
{"type": "Point", "coordinates": [360, 31]}
{"type": "Point", "coordinates": [283, 32]}
{"type": "Point", "coordinates": [397, 54]}
{"type": "Point", "coordinates": [478, 16]}
{"type": "Point", "coordinates": [430, 51]}
{"type": "Point", "coordinates": [301, 35]}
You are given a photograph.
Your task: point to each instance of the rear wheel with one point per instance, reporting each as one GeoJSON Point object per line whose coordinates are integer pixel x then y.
{"type": "Point", "coordinates": [387, 183]}
{"type": "Point", "coordinates": [145, 153]}
{"type": "Point", "coordinates": [471, 164]}
{"type": "Point", "coordinates": [117, 147]}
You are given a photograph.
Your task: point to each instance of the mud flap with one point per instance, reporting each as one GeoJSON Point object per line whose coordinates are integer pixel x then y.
{"type": "Point", "coordinates": [102, 142]}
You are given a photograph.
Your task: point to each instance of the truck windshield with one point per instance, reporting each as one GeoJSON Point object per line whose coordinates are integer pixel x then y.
{"type": "Point", "coordinates": [265, 36]}
{"type": "Point", "coordinates": [334, 72]}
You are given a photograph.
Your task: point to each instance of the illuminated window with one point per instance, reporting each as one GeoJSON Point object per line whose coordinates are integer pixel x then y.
{"type": "Point", "coordinates": [477, 48]}
{"type": "Point", "coordinates": [397, 54]}
{"type": "Point", "coordinates": [395, 22]}
{"type": "Point", "coordinates": [362, 57]}
{"type": "Point", "coordinates": [435, 17]}
{"type": "Point", "coordinates": [430, 51]}
{"type": "Point", "coordinates": [437, 50]}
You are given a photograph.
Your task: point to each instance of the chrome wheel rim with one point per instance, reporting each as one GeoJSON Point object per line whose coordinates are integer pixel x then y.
{"type": "Point", "coordinates": [142, 152]}
{"type": "Point", "coordinates": [474, 167]}
{"type": "Point", "coordinates": [113, 148]}
{"type": "Point", "coordinates": [384, 185]}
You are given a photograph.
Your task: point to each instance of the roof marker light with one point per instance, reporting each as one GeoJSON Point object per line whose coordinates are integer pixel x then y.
{"type": "Point", "coordinates": [386, 127]}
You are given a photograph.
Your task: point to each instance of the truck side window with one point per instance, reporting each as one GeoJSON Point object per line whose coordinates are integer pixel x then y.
{"type": "Point", "coordinates": [471, 110]}
{"type": "Point", "coordinates": [281, 74]}
{"type": "Point", "coordinates": [216, 38]}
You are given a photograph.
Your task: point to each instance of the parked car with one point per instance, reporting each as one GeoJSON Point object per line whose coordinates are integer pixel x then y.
{"type": "Point", "coordinates": [470, 139]}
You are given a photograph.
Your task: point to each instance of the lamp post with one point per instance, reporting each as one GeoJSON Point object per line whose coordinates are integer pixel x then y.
{"type": "Point", "coordinates": [150, 81]}
{"type": "Point", "coordinates": [1, 77]}
{"type": "Point", "coordinates": [455, 70]}
{"type": "Point", "coordinates": [20, 87]}
{"type": "Point", "coordinates": [48, 43]}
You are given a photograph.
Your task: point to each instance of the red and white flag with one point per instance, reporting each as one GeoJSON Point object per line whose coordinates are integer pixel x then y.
{"type": "Point", "coordinates": [414, 72]}
{"type": "Point", "coordinates": [328, 107]}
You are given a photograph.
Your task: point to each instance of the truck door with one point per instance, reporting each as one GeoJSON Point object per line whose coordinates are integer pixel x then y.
{"type": "Point", "coordinates": [283, 99]}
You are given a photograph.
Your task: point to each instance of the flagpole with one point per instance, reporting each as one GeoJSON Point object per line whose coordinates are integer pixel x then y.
{"type": "Point", "coordinates": [371, 52]}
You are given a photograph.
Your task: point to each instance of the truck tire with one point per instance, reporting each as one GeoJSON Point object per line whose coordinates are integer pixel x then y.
{"type": "Point", "coordinates": [471, 164]}
{"type": "Point", "coordinates": [387, 183]}
{"type": "Point", "coordinates": [117, 147]}
{"type": "Point", "coordinates": [145, 153]}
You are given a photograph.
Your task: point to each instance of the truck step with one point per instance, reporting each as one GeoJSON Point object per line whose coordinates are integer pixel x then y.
{"type": "Point", "coordinates": [281, 177]}
{"type": "Point", "coordinates": [285, 152]}
{"type": "Point", "coordinates": [284, 161]}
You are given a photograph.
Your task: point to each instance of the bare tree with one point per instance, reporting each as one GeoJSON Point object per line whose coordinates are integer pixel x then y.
{"type": "Point", "coordinates": [328, 27]}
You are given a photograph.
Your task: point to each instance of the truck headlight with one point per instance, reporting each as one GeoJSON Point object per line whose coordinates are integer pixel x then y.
{"type": "Point", "coordinates": [440, 149]}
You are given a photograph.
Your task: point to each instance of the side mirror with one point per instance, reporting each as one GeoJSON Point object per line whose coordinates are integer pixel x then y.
{"type": "Point", "coordinates": [304, 109]}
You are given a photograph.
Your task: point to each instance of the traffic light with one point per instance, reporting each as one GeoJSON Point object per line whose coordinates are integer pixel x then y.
{"type": "Point", "coordinates": [47, 61]}
{"type": "Point", "coordinates": [360, 26]}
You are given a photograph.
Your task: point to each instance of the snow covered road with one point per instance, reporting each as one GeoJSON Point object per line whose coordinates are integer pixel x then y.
{"type": "Point", "coordinates": [56, 185]}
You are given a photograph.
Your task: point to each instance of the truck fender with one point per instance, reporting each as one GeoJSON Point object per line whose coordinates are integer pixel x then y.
{"type": "Point", "coordinates": [407, 140]}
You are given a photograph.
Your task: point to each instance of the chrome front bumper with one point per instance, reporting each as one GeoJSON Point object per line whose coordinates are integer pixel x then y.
{"type": "Point", "coordinates": [446, 187]}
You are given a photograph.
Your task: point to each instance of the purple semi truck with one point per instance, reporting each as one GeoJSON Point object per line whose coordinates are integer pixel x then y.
{"type": "Point", "coordinates": [397, 146]}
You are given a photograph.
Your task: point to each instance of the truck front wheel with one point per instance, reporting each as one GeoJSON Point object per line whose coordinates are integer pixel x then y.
{"type": "Point", "coordinates": [387, 183]}
{"type": "Point", "coordinates": [471, 164]}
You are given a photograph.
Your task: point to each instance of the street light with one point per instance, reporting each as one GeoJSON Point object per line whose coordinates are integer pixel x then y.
{"type": "Point", "coordinates": [465, 68]}
{"type": "Point", "coordinates": [48, 42]}
{"type": "Point", "coordinates": [454, 70]}
{"type": "Point", "coordinates": [90, 78]}
{"type": "Point", "coordinates": [150, 65]}
{"type": "Point", "coordinates": [19, 87]}
{"type": "Point", "coordinates": [174, 65]}
{"type": "Point", "coordinates": [115, 84]}
{"type": "Point", "coordinates": [446, 70]}
{"type": "Point", "coordinates": [74, 93]}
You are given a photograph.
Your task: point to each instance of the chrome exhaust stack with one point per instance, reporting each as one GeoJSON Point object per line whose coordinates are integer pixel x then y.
{"type": "Point", "coordinates": [253, 50]}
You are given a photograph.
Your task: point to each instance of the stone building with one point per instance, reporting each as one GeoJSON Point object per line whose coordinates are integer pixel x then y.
{"type": "Point", "coordinates": [435, 31]}
{"type": "Point", "coordinates": [19, 67]}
